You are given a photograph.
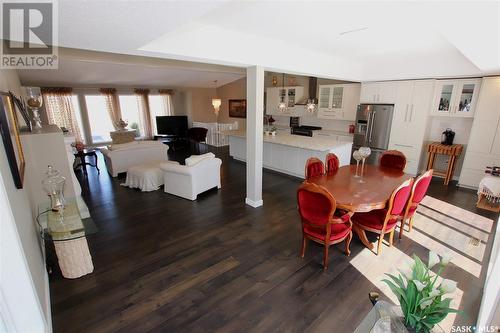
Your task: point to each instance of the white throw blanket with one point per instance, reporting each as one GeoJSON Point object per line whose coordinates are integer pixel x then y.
{"type": "Point", "coordinates": [490, 187]}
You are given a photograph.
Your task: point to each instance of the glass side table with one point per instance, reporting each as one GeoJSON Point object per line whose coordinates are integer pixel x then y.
{"type": "Point", "coordinates": [68, 232]}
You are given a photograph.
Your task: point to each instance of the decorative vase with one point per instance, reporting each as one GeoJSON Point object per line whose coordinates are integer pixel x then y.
{"type": "Point", "coordinates": [53, 184]}
{"type": "Point", "coordinates": [35, 102]}
{"type": "Point", "coordinates": [79, 146]}
{"type": "Point", "coordinates": [122, 125]}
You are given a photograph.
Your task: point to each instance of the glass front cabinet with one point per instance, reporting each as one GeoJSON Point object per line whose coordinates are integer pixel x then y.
{"type": "Point", "coordinates": [330, 101]}
{"type": "Point", "coordinates": [456, 98]}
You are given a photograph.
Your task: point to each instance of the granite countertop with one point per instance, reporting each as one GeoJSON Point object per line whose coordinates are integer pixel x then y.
{"type": "Point", "coordinates": [304, 142]}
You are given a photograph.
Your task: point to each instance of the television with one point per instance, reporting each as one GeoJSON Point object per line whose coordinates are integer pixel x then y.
{"type": "Point", "coordinates": [172, 125]}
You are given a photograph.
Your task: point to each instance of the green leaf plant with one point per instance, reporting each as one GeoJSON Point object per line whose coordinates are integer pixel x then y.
{"type": "Point", "coordinates": [422, 301]}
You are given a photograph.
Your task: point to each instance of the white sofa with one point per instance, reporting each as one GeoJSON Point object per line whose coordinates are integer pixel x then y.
{"type": "Point", "coordinates": [201, 173]}
{"type": "Point", "coordinates": [120, 157]}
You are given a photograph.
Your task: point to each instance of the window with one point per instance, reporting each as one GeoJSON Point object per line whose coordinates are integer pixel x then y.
{"type": "Point", "coordinates": [131, 114]}
{"type": "Point", "coordinates": [63, 110]}
{"type": "Point", "coordinates": [159, 105]}
{"type": "Point", "coordinates": [99, 119]}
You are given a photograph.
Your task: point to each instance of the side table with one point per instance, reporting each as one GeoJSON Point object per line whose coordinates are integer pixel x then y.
{"type": "Point", "coordinates": [453, 151]}
{"type": "Point", "coordinates": [83, 163]}
{"type": "Point", "coordinates": [68, 232]}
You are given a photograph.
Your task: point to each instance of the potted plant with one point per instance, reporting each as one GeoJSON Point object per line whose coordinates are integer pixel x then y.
{"type": "Point", "coordinates": [421, 296]}
{"type": "Point", "coordinates": [273, 131]}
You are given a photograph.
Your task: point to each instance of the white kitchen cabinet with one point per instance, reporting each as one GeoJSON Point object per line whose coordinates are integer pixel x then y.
{"type": "Point", "coordinates": [411, 108]}
{"type": "Point", "coordinates": [483, 148]}
{"type": "Point", "coordinates": [378, 92]}
{"type": "Point", "coordinates": [338, 101]}
{"type": "Point", "coordinates": [290, 95]}
{"type": "Point", "coordinates": [455, 98]}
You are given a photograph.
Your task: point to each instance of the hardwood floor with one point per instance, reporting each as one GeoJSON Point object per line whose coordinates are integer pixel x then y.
{"type": "Point", "coordinates": [166, 264]}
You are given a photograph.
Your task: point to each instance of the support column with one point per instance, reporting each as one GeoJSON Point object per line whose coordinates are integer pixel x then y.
{"type": "Point", "coordinates": [254, 134]}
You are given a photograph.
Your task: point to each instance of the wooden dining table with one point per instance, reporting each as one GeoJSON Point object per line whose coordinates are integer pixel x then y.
{"type": "Point", "coordinates": [361, 194]}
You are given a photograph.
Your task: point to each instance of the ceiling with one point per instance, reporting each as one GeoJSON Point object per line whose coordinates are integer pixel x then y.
{"type": "Point", "coordinates": [350, 40]}
{"type": "Point", "coordinates": [94, 69]}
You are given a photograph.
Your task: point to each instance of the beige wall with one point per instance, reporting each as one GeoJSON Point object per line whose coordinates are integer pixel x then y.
{"type": "Point", "coordinates": [234, 90]}
{"type": "Point", "coordinates": [197, 102]}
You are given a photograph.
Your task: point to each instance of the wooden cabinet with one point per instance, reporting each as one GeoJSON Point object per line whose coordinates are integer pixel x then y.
{"type": "Point", "coordinates": [338, 101]}
{"type": "Point", "coordinates": [378, 92]}
{"type": "Point", "coordinates": [483, 148]}
{"type": "Point", "coordinates": [456, 98]}
{"type": "Point", "coordinates": [411, 108]}
{"type": "Point", "coordinates": [290, 95]}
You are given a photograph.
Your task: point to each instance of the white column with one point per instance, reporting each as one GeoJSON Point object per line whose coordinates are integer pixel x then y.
{"type": "Point", "coordinates": [255, 127]}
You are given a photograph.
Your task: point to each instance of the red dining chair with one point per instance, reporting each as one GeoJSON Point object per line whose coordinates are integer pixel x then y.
{"type": "Point", "coordinates": [331, 164]}
{"type": "Point", "coordinates": [314, 167]}
{"type": "Point", "coordinates": [384, 221]}
{"type": "Point", "coordinates": [393, 159]}
{"type": "Point", "coordinates": [320, 221]}
{"type": "Point", "coordinates": [418, 192]}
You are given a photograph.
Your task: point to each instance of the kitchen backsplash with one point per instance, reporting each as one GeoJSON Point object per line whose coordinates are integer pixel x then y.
{"type": "Point", "coordinates": [334, 125]}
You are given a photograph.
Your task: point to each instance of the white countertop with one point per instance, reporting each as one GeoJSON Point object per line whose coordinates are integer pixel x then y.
{"type": "Point", "coordinates": [304, 142]}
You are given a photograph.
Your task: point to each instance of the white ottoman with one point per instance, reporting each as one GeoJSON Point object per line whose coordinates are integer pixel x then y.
{"type": "Point", "coordinates": [147, 177]}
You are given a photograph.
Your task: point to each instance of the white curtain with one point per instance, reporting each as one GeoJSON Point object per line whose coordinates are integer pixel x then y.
{"type": "Point", "coordinates": [112, 106]}
{"type": "Point", "coordinates": [145, 113]}
{"type": "Point", "coordinates": [60, 110]}
{"type": "Point", "coordinates": [167, 106]}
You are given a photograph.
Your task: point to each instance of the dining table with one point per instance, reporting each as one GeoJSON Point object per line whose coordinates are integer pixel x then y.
{"type": "Point", "coordinates": [357, 191]}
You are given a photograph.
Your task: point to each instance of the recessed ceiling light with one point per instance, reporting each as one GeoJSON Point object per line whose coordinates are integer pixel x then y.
{"type": "Point", "coordinates": [353, 30]}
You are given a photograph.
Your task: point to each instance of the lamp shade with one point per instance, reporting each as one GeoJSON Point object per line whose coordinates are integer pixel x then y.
{"type": "Point", "coordinates": [216, 103]}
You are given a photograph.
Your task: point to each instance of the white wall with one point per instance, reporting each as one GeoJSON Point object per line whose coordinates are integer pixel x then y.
{"type": "Point", "coordinates": [24, 281]}
{"type": "Point", "coordinates": [436, 126]}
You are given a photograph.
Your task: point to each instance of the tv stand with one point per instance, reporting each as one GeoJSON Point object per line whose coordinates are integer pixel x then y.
{"type": "Point", "coordinates": [174, 142]}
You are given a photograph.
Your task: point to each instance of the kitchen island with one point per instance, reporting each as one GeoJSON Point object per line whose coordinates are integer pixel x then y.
{"type": "Point", "coordinates": [288, 153]}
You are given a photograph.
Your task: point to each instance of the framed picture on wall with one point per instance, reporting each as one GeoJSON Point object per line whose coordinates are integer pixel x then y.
{"type": "Point", "coordinates": [238, 108]}
{"type": "Point", "coordinates": [9, 129]}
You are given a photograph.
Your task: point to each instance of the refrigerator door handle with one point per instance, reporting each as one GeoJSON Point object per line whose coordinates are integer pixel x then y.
{"type": "Point", "coordinates": [371, 125]}
{"type": "Point", "coordinates": [406, 113]}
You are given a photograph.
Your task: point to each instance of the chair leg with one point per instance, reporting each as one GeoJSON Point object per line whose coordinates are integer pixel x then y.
{"type": "Point", "coordinates": [411, 223]}
{"type": "Point", "coordinates": [401, 228]}
{"type": "Point", "coordinates": [379, 245]}
{"type": "Point", "coordinates": [348, 243]}
{"type": "Point", "coordinates": [325, 257]}
{"type": "Point", "coordinates": [391, 237]}
{"type": "Point", "coordinates": [304, 244]}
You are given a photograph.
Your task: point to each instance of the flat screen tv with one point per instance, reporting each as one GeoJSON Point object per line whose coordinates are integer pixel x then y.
{"type": "Point", "coordinates": [172, 125]}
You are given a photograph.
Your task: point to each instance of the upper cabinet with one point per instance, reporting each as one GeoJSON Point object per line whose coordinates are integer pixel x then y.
{"type": "Point", "coordinates": [290, 95]}
{"type": "Point", "coordinates": [455, 98]}
{"type": "Point", "coordinates": [378, 92]}
{"type": "Point", "coordinates": [338, 101]}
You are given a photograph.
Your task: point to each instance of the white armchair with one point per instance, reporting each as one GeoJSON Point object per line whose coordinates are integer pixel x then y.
{"type": "Point", "coordinates": [120, 157]}
{"type": "Point", "coordinates": [200, 174]}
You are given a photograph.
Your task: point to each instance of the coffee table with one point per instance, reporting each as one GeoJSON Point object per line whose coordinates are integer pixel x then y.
{"type": "Point", "coordinates": [83, 163]}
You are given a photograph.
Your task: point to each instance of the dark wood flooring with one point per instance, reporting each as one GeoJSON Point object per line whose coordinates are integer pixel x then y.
{"type": "Point", "coordinates": [166, 264]}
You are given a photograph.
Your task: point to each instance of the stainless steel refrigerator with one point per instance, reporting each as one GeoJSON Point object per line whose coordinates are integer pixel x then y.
{"type": "Point", "coordinates": [373, 129]}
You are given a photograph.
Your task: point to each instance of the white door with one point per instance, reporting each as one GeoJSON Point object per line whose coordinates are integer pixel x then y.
{"type": "Point", "coordinates": [324, 98]}
{"type": "Point", "coordinates": [369, 92]}
{"type": "Point", "coordinates": [386, 92]}
{"type": "Point", "coordinates": [400, 121]}
{"type": "Point", "coordinates": [444, 97]}
{"type": "Point", "coordinates": [466, 97]}
{"type": "Point", "coordinates": [272, 100]}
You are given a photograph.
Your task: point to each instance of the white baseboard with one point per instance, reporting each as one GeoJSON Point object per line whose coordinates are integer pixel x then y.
{"type": "Point", "coordinates": [253, 203]}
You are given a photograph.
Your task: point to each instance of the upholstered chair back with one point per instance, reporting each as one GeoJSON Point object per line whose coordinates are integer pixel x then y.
{"type": "Point", "coordinates": [393, 159]}
{"type": "Point", "coordinates": [331, 164]}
